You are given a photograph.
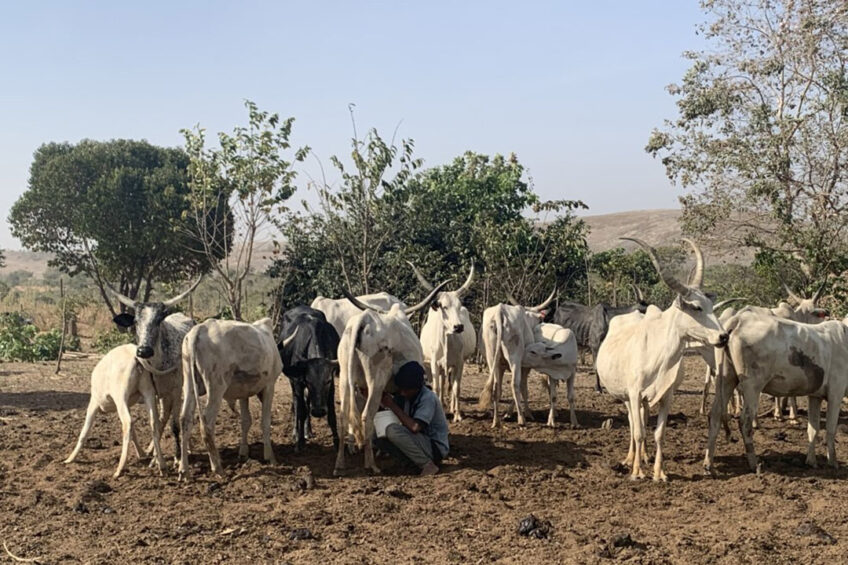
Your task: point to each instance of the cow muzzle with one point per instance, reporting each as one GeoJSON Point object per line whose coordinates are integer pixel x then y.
{"type": "Point", "coordinates": [319, 412]}
{"type": "Point", "coordinates": [144, 352]}
{"type": "Point", "coordinates": [458, 329]}
{"type": "Point", "coordinates": [723, 338]}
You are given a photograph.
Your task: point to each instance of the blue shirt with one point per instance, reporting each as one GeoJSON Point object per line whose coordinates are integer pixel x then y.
{"type": "Point", "coordinates": [427, 409]}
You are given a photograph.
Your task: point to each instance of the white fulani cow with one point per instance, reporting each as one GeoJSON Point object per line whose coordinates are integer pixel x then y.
{"type": "Point", "coordinates": [228, 360]}
{"type": "Point", "coordinates": [554, 354]}
{"type": "Point", "coordinates": [447, 339]}
{"type": "Point", "coordinates": [147, 370]}
{"type": "Point", "coordinates": [339, 310]}
{"type": "Point", "coordinates": [373, 347]}
{"type": "Point", "coordinates": [707, 352]}
{"type": "Point", "coordinates": [507, 331]}
{"type": "Point", "coordinates": [640, 359]}
{"type": "Point", "coordinates": [783, 358]}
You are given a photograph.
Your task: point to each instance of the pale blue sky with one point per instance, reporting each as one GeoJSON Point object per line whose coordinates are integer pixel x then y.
{"type": "Point", "coordinates": [573, 88]}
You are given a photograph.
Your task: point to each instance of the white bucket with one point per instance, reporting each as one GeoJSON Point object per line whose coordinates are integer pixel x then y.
{"type": "Point", "coordinates": [382, 420]}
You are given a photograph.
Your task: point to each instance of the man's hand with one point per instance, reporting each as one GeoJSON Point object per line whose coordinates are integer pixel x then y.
{"type": "Point", "coordinates": [387, 401]}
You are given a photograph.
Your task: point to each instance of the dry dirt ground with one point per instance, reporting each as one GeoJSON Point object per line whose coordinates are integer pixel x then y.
{"type": "Point", "coordinates": [468, 513]}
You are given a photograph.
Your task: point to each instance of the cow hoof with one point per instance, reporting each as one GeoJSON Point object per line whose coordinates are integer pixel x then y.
{"type": "Point", "coordinates": [375, 470]}
{"type": "Point", "coordinates": [660, 477]}
{"type": "Point", "coordinates": [794, 422]}
{"type": "Point", "coordinates": [637, 477]}
{"type": "Point", "coordinates": [812, 463]}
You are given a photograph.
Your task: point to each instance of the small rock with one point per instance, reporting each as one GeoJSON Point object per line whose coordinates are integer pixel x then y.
{"type": "Point", "coordinates": [99, 487]}
{"type": "Point", "coordinates": [397, 492]}
{"type": "Point", "coordinates": [80, 508]}
{"type": "Point", "coordinates": [107, 510]}
{"type": "Point", "coordinates": [301, 534]}
{"type": "Point", "coordinates": [606, 424]}
{"type": "Point", "coordinates": [619, 468]}
{"type": "Point", "coordinates": [93, 443]}
{"type": "Point", "coordinates": [810, 528]}
{"type": "Point", "coordinates": [780, 436]}
{"type": "Point", "coordinates": [535, 528]}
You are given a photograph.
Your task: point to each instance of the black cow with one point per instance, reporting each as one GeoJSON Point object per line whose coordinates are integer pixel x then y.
{"type": "Point", "coordinates": [310, 361]}
{"type": "Point", "coordinates": [591, 323]}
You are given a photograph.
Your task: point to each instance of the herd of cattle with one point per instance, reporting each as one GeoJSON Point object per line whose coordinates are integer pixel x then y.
{"type": "Point", "coordinates": [786, 351]}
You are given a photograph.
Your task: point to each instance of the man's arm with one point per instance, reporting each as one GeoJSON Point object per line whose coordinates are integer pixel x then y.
{"type": "Point", "coordinates": [409, 422]}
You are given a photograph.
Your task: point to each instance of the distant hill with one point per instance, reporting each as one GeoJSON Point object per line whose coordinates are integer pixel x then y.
{"type": "Point", "coordinates": [35, 263]}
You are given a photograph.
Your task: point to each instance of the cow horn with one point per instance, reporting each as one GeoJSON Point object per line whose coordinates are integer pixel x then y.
{"type": "Point", "coordinates": [668, 279]}
{"type": "Point", "coordinates": [126, 301]}
{"type": "Point", "coordinates": [817, 295]}
{"type": "Point", "coordinates": [428, 299]}
{"type": "Point", "coordinates": [184, 295]}
{"type": "Point", "coordinates": [512, 299]}
{"type": "Point", "coordinates": [791, 294]}
{"type": "Point", "coordinates": [361, 305]}
{"type": "Point", "coordinates": [421, 280]}
{"type": "Point", "coordinates": [289, 339]}
{"type": "Point", "coordinates": [466, 286]}
{"type": "Point", "coordinates": [544, 304]}
{"type": "Point", "coordinates": [718, 305]}
{"type": "Point", "coordinates": [697, 278]}
{"type": "Point", "coordinates": [637, 292]}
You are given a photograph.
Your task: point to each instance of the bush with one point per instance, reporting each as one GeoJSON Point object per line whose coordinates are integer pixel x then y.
{"type": "Point", "coordinates": [108, 340]}
{"type": "Point", "coordinates": [20, 340]}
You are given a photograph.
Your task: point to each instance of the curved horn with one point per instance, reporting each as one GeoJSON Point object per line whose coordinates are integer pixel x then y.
{"type": "Point", "coordinates": [718, 305]}
{"type": "Point", "coordinates": [421, 280]}
{"type": "Point", "coordinates": [361, 305]}
{"type": "Point", "coordinates": [637, 292]}
{"type": "Point", "coordinates": [544, 304]}
{"type": "Point", "coordinates": [428, 299]}
{"type": "Point", "coordinates": [817, 295]}
{"type": "Point", "coordinates": [697, 278]}
{"type": "Point", "coordinates": [184, 295]}
{"type": "Point", "coordinates": [791, 294]}
{"type": "Point", "coordinates": [668, 279]}
{"type": "Point", "coordinates": [466, 286]}
{"type": "Point", "coordinates": [512, 299]}
{"type": "Point", "coordinates": [126, 301]}
{"type": "Point", "coordinates": [289, 339]}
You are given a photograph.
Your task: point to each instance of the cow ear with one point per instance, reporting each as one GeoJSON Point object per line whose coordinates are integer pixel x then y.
{"type": "Point", "coordinates": [124, 320]}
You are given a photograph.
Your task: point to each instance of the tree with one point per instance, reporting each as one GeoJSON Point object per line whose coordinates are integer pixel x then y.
{"type": "Point", "coordinates": [112, 210]}
{"type": "Point", "coordinates": [238, 193]}
{"type": "Point", "coordinates": [761, 137]}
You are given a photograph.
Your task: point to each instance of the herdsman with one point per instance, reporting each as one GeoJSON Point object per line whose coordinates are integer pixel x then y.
{"type": "Point", "coordinates": [422, 435]}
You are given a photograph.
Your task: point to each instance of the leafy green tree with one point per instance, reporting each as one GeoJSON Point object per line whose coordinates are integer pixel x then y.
{"type": "Point", "coordinates": [112, 210]}
{"type": "Point", "coordinates": [237, 195]}
{"type": "Point", "coordinates": [761, 136]}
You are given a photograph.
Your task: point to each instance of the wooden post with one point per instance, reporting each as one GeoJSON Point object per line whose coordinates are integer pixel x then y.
{"type": "Point", "coordinates": [64, 326]}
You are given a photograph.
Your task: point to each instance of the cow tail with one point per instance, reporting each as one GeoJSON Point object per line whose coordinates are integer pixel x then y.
{"type": "Point", "coordinates": [190, 373]}
{"type": "Point", "coordinates": [354, 418]}
{"type": "Point", "coordinates": [488, 390]}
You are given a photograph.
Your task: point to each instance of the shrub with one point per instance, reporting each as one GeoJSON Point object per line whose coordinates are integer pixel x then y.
{"type": "Point", "coordinates": [108, 340]}
{"type": "Point", "coordinates": [20, 340]}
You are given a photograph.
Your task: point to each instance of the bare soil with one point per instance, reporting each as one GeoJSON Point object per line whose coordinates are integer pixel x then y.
{"type": "Point", "coordinates": [469, 513]}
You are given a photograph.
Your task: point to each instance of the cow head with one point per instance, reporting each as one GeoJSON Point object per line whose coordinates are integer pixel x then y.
{"type": "Point", "coordinates": [447, 305]}
{"type": "Point", "coordinates": [698, 322]}
{"type": "Point", "coordinates": [805, 309]}
{"type": "Point", "coordinates": [641, 304]}
{"type": "Point", "coordinates": [396, 309]}
{"type": "Point", "coordinates": [147, 319]}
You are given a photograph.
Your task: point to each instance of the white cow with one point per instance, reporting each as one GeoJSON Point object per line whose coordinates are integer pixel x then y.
{"type": "Point", "coordinates": [639, 362]}
{"type": "Point", "coordinates": [447, 339]}
{"type": "Point", "coordinates": [554, 354]}
{"type": "Point", "coordinates": [782, 358]}
{"type": "Point", "coordinates": [507, 331]}
{"type": "Point", "coordinates": [373, 346]}
{"type": "Point", "coordinates": [707, 353]}
{"type": "Point", "coordinates": [339, 310]}
{"type": "Point", "coordinates": [228, 360]}
{"type": "Point", "coordinates": [117, 382]}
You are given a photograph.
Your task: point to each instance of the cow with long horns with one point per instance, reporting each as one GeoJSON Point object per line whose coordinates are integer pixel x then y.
{"type": "Point", "coordinates": [507, 331]}
{"type": "Point", "coordinates": [447, 340]}
{"type": "Point", "coordinates": [374, 344]}
{"type": "Point", "coordinates": [641, 358]}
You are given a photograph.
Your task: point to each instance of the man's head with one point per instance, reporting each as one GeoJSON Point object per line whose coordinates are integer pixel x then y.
{"type": "Point", "coordinates": [409, 379]}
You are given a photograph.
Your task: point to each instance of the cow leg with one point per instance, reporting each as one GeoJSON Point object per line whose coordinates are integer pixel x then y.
{"type": "Point", "coordinates": [723, 386]}
{"type": "Point", "coordinates": [834, 402]}
{"type": "Point", "coordinates": [793, 410]}
{"type": "Point", "coordinates": [90, 412]}
{"type": "Point", "coordinates": [173, 411]}
{"type": "Point", "coordinates": [152, 404]}
{"type": "Point", "coordinates": [525, 395]}
{"type": "Point", "coordinates": [598, 388]}
{"type": "Point", "coordinates": [186, 422]}
{"type": "Point", "coordinates": [646, 411]}
{"type": "Point", "coordinates": [267, 398]}
{"type": "Point", "coordinates": [246, 420]}
{"type": "Point", "coordinates": [331, 413]}
{"type": "Point", "coordinates": [207, 432]}
{"type": "Point", "coordinates": [456, 383]}
{"type": "Point", "coordinates": [300, 419]}
{"type": "Point", "coordinates": [551, 384]}
{"type": "Point", "coordinates": [813, 423]}
{"type": "Point", "coordinates": [126, 436]}
{"type": "Point", "coordinates": [572, 409]}
{"type": "Point", "coordinates": [638, 436]}
{"type": "Point", "coordinates": [631, 450]}
{"type": "Point", "coordinates": [708, 376]}
{"type": "Point", "coordinates": [751, 397]}
{"type": "Point", "coordinates": [497, 384]}
{"type": "Point", "coordinates": [778, 408]}
{"type": "Point", "coordinates": [371, 406]}
{"type": "Point", "coordinates": [662, 418]}
{"type": "Point", "coordinates": [345, 401]}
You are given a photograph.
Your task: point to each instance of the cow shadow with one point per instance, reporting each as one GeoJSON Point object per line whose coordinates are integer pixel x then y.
{"type": "Point", "coordinates": [44, 401]}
